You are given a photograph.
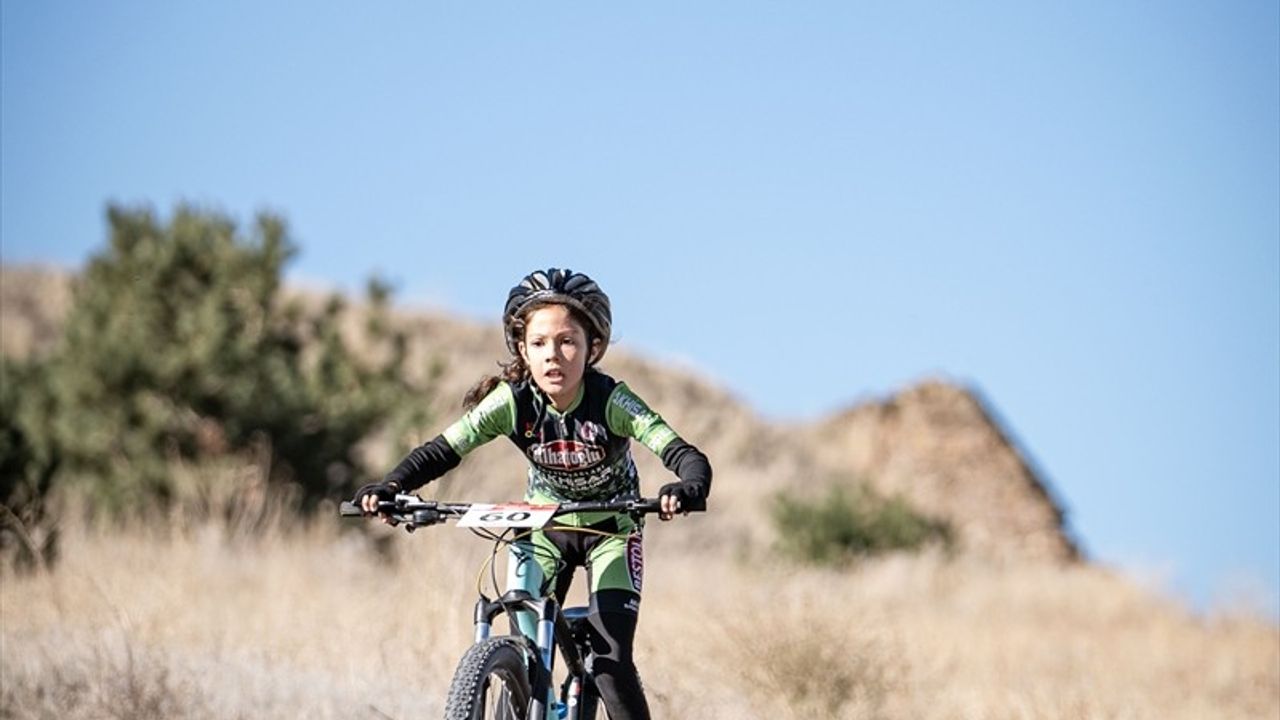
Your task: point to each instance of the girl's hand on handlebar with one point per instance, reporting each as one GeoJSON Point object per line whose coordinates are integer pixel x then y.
{"type": "Point", "coordinates": [679, 497]}
{"type": "Point", "coordinates": [670, 505]}
{"type": "Point", "coordinates": [368, 497]}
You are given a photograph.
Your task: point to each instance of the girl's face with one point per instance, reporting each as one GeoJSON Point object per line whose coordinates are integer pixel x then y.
{"type": "Point", "coordinates": [555, 349]}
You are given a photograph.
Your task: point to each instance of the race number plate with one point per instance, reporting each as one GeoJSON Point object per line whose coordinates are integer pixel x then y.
{"type": "Point", "coordinates": [508, 515]}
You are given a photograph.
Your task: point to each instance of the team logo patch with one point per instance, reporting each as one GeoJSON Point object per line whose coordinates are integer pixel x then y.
{"type": "Point", "coordinates": [566, 454]}
{"type": "Point", "coordinates": [635, 560]}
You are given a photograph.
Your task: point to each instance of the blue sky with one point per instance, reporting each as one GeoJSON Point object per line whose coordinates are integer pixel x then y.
{"type": "Point", "coordinates": [1072, 207]}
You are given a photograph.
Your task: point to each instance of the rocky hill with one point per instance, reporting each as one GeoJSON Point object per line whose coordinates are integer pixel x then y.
{"type": "Point", "coordinates": [938, 445]}
{"type": "Point", "coordinates": [935, 444]}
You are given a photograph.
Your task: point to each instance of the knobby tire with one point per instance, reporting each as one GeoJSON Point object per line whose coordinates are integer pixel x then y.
{"type": "Point", "coordinates": [497, 663]}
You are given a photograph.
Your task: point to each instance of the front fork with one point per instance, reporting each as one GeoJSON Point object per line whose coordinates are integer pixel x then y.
{"type": "Point", "coordinates": [552, 629]}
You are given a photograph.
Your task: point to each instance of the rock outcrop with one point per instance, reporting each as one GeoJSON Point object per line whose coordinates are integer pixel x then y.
{"type": "Point", "coordinates": [936, 445]}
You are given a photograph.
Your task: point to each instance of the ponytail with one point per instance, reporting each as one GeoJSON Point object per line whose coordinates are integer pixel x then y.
{"type": "Point", "coordinates": [511, 372]}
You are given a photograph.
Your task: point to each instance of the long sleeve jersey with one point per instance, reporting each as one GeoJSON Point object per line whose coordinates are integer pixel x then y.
{"type": "Point", "coordinates": [582, 453]}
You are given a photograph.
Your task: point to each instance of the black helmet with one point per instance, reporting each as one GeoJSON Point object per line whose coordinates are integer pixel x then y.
{"type": "Point", "coordinates": [559, 286]}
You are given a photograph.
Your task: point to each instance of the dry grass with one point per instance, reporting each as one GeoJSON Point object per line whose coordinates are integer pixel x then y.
{"type": "Point", "coordinates": [235, 618]}
{"type": "Point", "coordinates": [201, 623]}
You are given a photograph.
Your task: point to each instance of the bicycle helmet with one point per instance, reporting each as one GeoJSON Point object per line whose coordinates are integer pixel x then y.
{"type": "Point", "coordinates": [559, 286]}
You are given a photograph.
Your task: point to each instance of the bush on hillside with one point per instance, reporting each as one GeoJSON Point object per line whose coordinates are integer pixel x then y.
{"type": "Point", "coordinates": [851, 523]}
{"type": "Point", "coordinates": [180, 348]}
{"type": "Point", "coordinates": [28, 463]}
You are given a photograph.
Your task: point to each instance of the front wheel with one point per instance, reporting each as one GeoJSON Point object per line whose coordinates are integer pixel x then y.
{"type": "Point", "coordinates": [491, 682]}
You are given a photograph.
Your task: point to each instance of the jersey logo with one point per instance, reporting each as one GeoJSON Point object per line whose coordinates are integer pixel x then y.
{"type": "Point", "coordinates": [591, 432]}
{"type": "Point", "coordinates": [630, 405]}
{"type": "Point", "coordinates": [566, 454]}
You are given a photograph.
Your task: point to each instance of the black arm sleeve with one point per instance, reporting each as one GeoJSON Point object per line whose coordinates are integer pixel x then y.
{"type": "Point", "coordinates": [426, 463]}
{"type": "Point", "coordinates": [689, 464]}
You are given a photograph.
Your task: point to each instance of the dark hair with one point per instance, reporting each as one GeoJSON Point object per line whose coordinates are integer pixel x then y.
{"type": "Point", "coordinates": [515, 370]}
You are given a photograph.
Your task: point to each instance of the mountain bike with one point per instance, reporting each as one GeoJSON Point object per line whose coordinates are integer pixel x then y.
{"type": "Point", "coordinates": [510, 677]}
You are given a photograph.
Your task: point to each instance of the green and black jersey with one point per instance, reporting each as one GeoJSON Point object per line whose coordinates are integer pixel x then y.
{"type": "Point", "coordinates": [582, 453]}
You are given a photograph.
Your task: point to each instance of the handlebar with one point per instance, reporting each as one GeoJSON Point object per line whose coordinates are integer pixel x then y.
{"type": "Point", "coordinates": [414, 512]}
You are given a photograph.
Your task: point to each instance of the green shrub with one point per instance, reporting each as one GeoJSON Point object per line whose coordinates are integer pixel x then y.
{"type": "Point", "coordinates": [180, 348]}
{"type": "Point", "coordinates": [850, 523]}
{"type": "Point", "coordinates": [28, 464]}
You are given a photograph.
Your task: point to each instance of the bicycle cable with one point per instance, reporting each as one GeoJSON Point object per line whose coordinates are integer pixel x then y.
{"type": "Point", "coordinates": [536, 552]}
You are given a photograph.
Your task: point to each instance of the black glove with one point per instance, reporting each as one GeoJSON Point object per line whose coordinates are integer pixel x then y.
{"type": "Point", "coordinates": [692, 496]}
{"type": "Point", "coordinates": [385, 491]}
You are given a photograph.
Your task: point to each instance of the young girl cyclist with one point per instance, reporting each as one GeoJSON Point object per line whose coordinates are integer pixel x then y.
{"type": "Point", "coordinates": [574, 425]}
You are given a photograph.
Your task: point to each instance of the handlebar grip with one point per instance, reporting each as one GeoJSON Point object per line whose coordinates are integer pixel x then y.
{"type": "Point", "coordinates": [699, 505]}
{"type": "Point", "coordinates": [349, 509]}
{"type": "Point", "coordinates": [655, 506]}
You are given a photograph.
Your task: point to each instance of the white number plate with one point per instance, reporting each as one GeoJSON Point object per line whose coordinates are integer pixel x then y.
{"type": "Point", "coordinates": [508, 515]}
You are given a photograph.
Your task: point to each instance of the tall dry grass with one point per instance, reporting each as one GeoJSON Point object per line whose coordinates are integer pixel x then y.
{"type": "Point", "coordinates": [199, 620]}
